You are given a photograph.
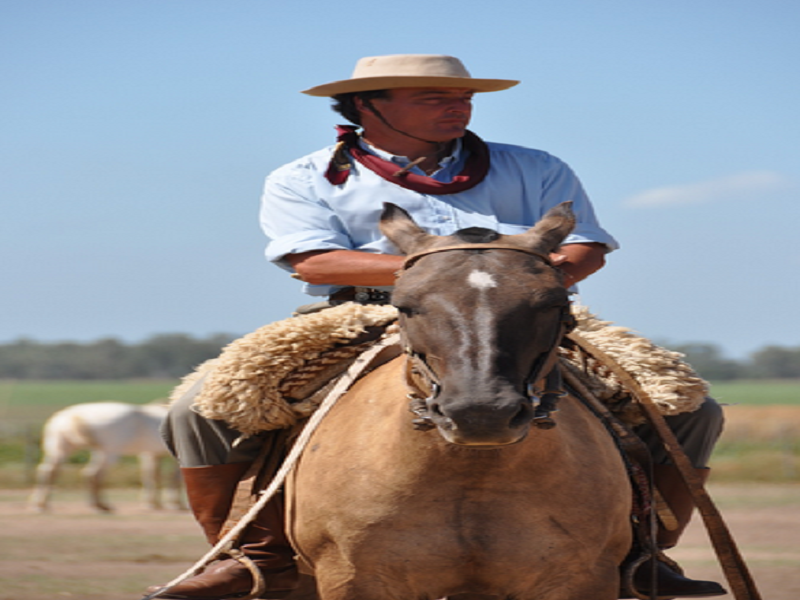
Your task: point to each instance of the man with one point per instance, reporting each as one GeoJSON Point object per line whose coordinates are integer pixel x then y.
{"type": "Point", "coordinates": [321, 213]}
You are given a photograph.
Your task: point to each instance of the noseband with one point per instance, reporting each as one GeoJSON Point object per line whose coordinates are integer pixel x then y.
{"type": "Point", "coordinates": [544, 368]}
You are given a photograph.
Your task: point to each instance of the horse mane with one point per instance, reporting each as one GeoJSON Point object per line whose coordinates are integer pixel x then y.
{"type": "Point", "coordinates": [477, 235]}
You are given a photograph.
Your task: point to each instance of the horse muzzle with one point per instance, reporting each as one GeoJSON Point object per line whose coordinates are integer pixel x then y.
{"type": "Point", "coordinates": [499, 422]}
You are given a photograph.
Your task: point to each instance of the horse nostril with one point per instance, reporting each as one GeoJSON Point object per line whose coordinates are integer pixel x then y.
{"type": "Point", "coordinates": [523, 416]}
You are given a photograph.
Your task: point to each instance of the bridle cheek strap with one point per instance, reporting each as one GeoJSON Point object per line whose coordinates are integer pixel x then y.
{"type": "Point", "coordinates": [548, 372]}
{"type": "Point", "coordinates": [418, 376]}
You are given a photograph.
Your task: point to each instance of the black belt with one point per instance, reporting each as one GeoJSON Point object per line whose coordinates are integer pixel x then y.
{"type": "Point", "coordinates": [362, 295]}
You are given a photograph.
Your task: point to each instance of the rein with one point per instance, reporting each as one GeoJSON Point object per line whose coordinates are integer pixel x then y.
{"type": "Point", "coordinates": [227, 545]}
{"type": "Point", "coordinates": [733, 565]}
{"type": "Point", "coordinates": [545, 368]}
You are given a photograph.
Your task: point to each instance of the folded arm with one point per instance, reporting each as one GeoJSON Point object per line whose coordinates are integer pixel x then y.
{"type": "Point", "coordinates": [351, 267]}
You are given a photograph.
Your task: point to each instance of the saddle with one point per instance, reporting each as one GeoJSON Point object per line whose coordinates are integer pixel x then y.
{"type": "Point", "coordinates": [275, 376]}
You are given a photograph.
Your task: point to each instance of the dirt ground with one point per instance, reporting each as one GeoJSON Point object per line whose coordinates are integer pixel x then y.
{"type": "Point", "coordinates": [76, 553]}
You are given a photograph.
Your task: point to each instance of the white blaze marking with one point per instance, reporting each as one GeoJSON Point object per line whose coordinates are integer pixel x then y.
{"type": "Point", "coordinates": [481, 280]}
{"type": "Point", "coordinates": [481, 324]}
{"type": "Point", "coordinates": [475, 335]}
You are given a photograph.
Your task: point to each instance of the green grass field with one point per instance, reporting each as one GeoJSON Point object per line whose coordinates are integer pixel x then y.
{"type": "Point", "coordinates": [64, 393]}
{"type": "Point", "coordinates": [57, 394]}
{"type": "Point", "coordinates": [749, 450]}
{"type": "Point", "coordinates": [26, 405]}
{"type": "Point", "coordinates": [757, 392]}
{"type": "Point", "coordinates": [31, 402]}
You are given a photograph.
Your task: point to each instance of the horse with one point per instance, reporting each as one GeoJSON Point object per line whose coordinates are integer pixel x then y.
{"type": "Point", "coordinates": [110, 430]}
{"type": "Point", "coordinates": [484, 494]}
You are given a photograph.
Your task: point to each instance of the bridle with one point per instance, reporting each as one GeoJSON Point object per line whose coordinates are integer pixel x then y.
{"type": "Point", "coordinates": [420, 375]}
{"type": "Point", "coordinates": [411, 259]}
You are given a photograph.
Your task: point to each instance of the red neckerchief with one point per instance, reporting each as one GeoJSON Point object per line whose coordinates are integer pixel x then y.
{"type": "Point", "coordinates": [475, 168]}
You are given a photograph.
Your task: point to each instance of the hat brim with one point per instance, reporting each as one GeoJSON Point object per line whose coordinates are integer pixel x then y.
{"type": "Point", "coordinates": [368, 84]}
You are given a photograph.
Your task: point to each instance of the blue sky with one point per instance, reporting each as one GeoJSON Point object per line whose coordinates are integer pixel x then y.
{"type": "Point", "coordinates": [136, 135]}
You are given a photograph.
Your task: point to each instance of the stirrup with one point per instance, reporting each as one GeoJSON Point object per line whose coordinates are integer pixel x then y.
{"type": "Point", "coordinates": [662, 563]}
{"type": "Point", "coordinates": [259, 586]}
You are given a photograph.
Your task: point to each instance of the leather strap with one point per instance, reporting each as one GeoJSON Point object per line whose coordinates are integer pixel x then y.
{"type": "Point", "coordinates": [362, 295]}
{"type": "Point", "coordinates": [733, 565]}
{"type": "Point", "coordinates": [413, 258]}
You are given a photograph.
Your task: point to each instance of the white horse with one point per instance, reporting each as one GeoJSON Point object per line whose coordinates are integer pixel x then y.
{"type": "Point", "coordinates": [110, 430]}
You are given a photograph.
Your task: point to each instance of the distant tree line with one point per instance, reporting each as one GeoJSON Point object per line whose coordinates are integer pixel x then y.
{"type": "Point", "coordinates": [174, 355]}
{"type": "Point", "coordinates": [162, 356]}
{"type": "Point", "coordinates": [770, 362]}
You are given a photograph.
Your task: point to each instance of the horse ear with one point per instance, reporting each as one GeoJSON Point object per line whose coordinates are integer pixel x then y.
{"type": "Point", "coordinates": [548, 234]}
{"type": "Point", "coordinates": [397, 225]}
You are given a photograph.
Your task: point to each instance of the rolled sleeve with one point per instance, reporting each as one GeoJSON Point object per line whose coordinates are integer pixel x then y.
{"type": "Point", "coordinates": [560, 184]}
{"type": "Point", "coordinates": [586, 232]}
{"type": "Point", "coordinates": [295, 219]}
{"type": "Point", "coordinates": [305, 241]}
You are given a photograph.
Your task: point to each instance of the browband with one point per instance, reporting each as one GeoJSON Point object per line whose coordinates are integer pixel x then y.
{"type": "Point", "coordinates": [411, 259]}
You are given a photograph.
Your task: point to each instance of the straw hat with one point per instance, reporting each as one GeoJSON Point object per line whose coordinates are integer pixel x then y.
{"type": "Point", "coordinates": [409, 70]}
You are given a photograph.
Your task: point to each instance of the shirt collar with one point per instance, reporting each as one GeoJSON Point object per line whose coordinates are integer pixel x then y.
{"type": "Point", "coordinates": [448, 160]}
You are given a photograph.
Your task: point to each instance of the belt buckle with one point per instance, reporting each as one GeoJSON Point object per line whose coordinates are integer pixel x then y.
{"type": "Point", "coordinates": [362, 295]}
{"type": "Point", "coordinates": [371, 296]}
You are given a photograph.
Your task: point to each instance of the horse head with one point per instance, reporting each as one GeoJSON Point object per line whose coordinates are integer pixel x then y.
{"type": "Point", "coordinates": [481, 315]}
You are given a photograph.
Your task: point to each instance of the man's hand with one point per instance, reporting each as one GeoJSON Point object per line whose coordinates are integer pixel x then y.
{"type": "Point", "coordinates": [578, 261]}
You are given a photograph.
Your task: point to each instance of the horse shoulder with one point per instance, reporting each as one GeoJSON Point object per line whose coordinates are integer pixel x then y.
{"type": "Point", "coordinates": [586, 472]}
{"type": "Point", "coordinates": [342, 460]}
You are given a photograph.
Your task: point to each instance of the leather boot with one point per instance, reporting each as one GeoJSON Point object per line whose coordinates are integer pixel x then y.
{"type": "Point", "coordinates": [210, 491]}
{"type": "Point", "coordinates": [669, 576]}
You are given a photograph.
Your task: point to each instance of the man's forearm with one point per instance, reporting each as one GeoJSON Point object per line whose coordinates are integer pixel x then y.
{"type": "Point", "coordinates": [351, 267]}
{"type": "Point", "coordinates": [346, 267]}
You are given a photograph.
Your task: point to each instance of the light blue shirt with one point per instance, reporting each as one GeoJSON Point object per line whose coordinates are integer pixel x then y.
{"type": "Point", "coordinates": [301, 211]}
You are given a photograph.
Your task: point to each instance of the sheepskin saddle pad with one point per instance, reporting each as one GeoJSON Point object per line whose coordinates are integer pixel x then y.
{"type": "Point", "coordinates": [275, 376]}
